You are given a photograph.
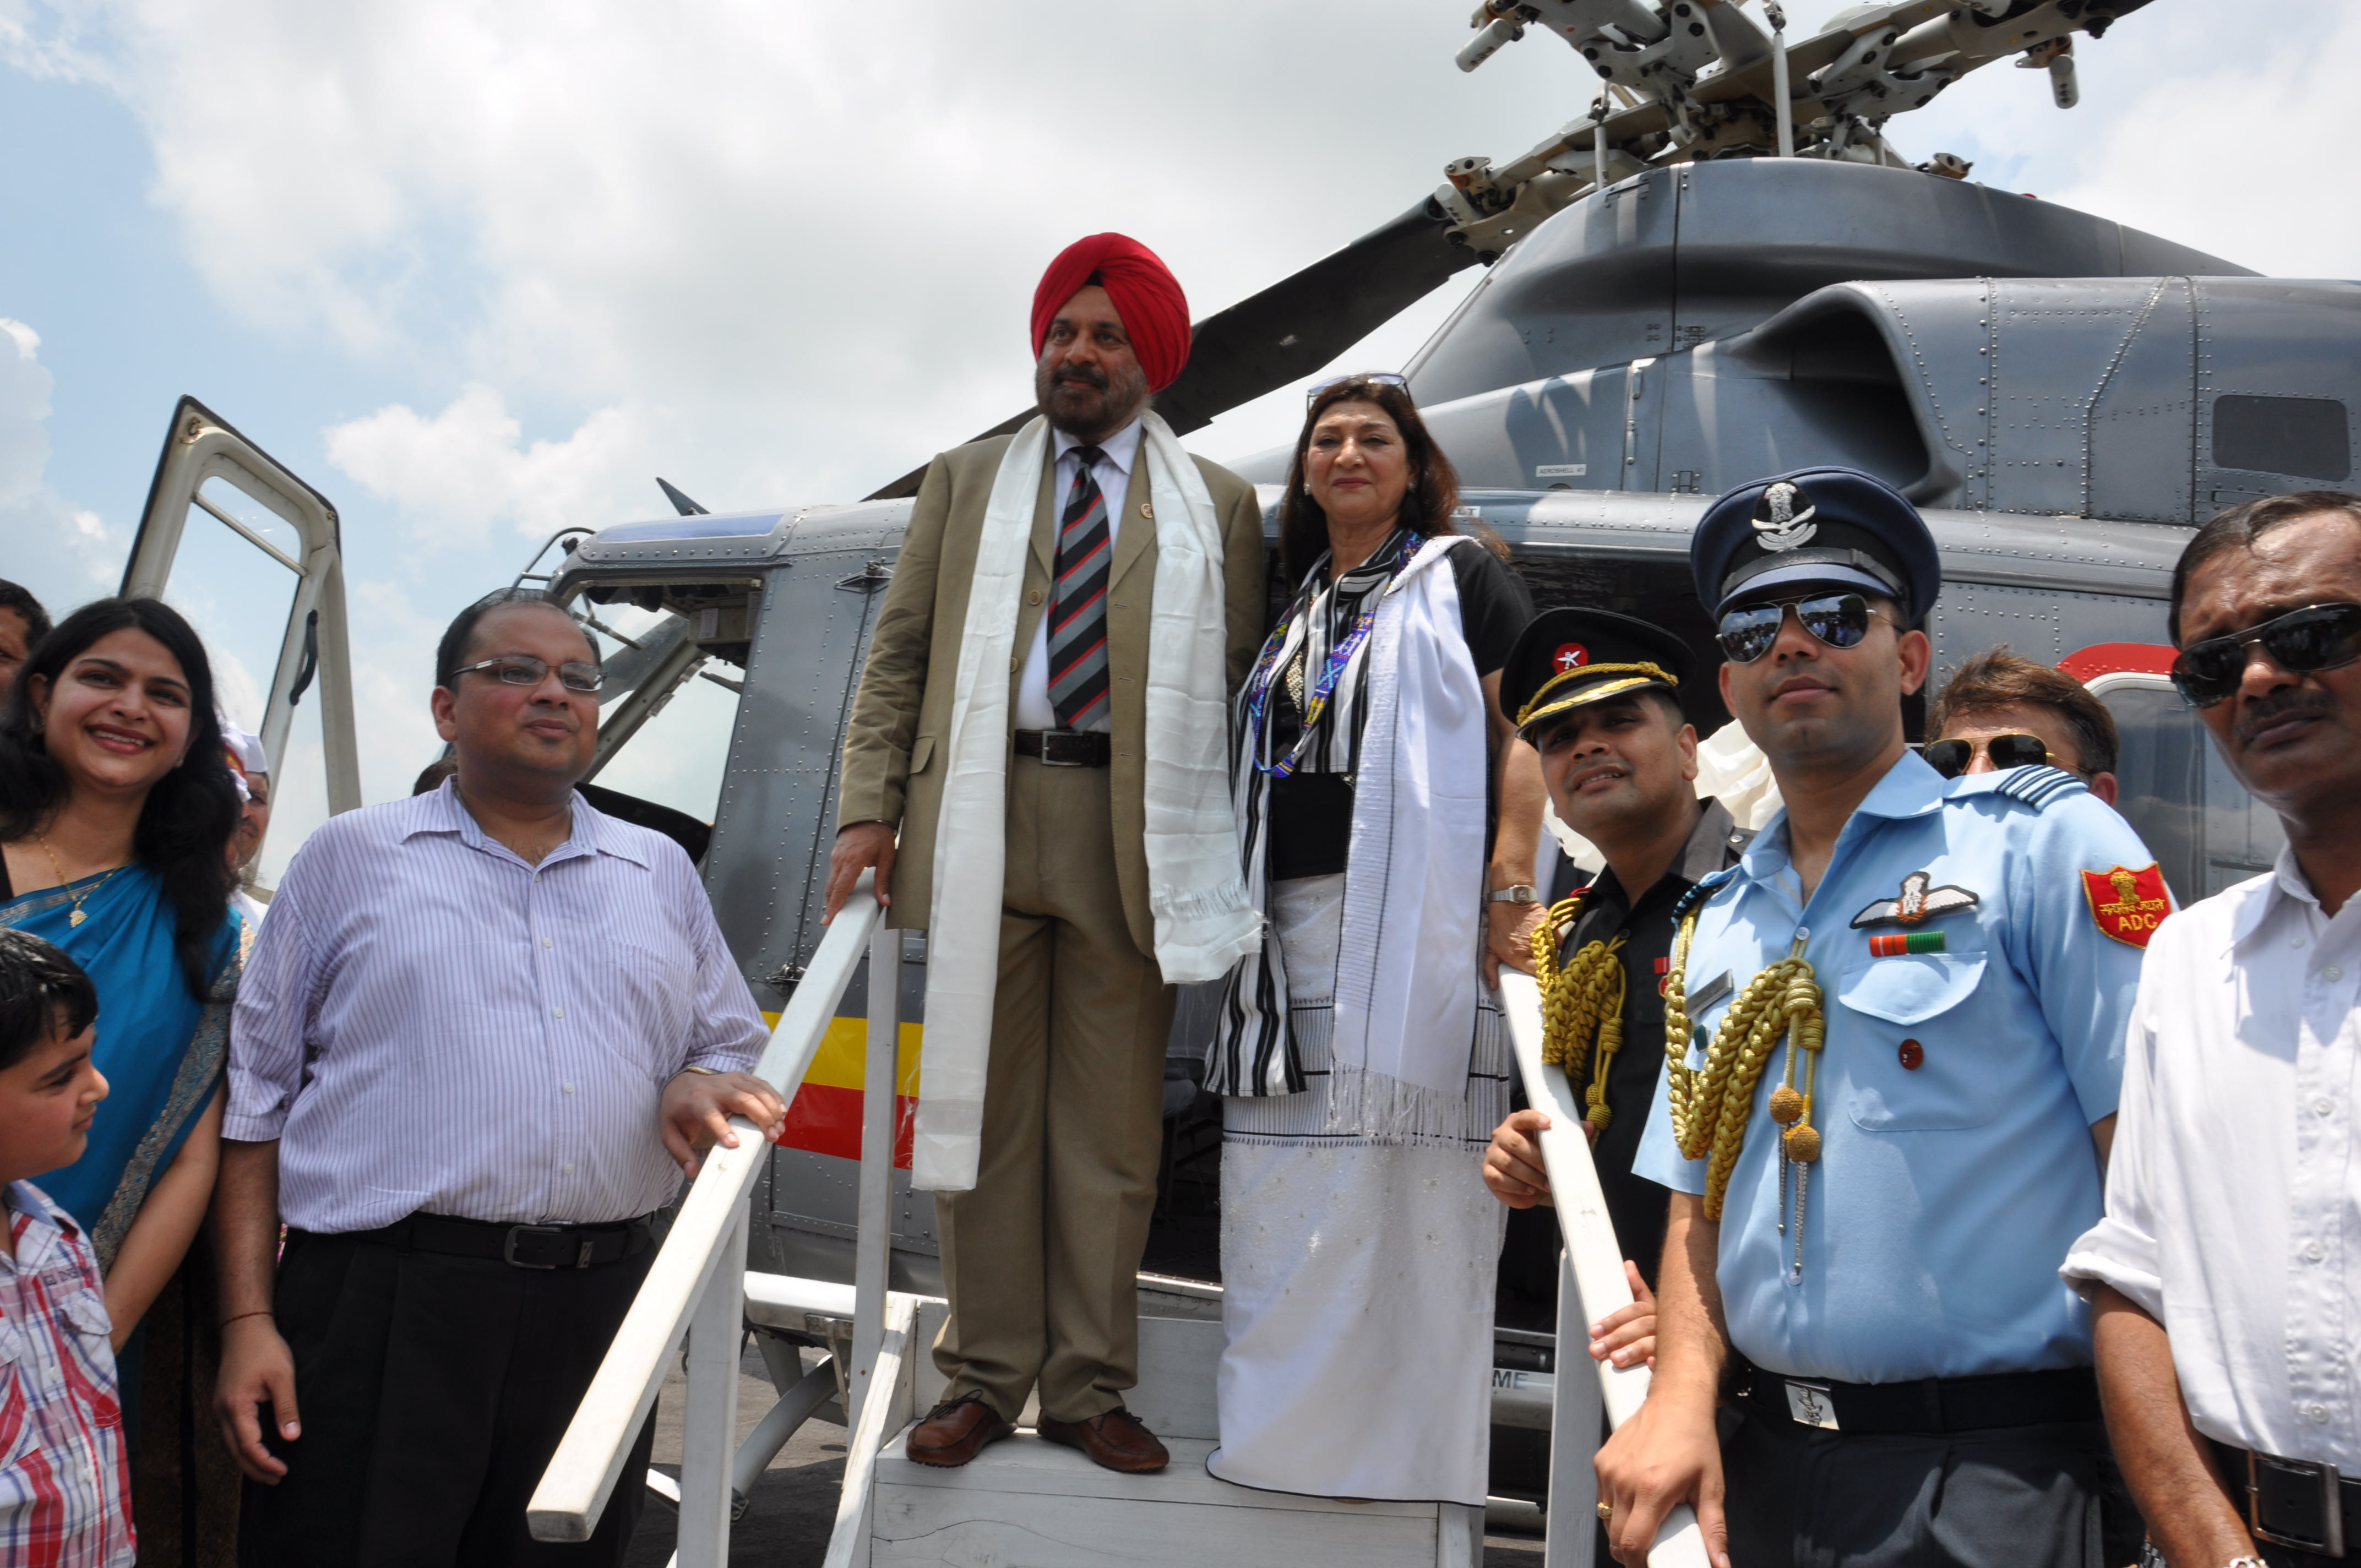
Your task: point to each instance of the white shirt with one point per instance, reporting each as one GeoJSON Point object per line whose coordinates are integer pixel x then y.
{"type": "Point", "coordinates": [2234, 1193]}
{"type": "Point", "coordinates": [1112, 472]}
{"type": "Point", "coordinates": [429, 1023]}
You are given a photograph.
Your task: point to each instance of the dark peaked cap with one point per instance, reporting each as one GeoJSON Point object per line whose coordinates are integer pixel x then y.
{"type": "Point", "coordinates": [1567, 659]}
{"type": "Point", "coordinates": [1811, 528]}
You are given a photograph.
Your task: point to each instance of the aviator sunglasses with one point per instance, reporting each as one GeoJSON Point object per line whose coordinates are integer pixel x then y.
{"type": "Point", "coordinates": [524, 670]}
{"type": "Point", "coordinates": [2317, 636]}
{"type": "Point", "coordinates": [1840, 620]}
{"type": "Point", "coordinates": [1950, 758]}
{"type": "Point", "coordinates": [1382, 377]}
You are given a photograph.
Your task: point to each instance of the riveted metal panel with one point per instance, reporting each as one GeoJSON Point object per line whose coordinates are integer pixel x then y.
{"type": "Point", "coordinates": [2053, 342]}
{"type": "Point", "coordinates": [2044, 624]}
{"type": "Point", "coordinates": [2143, 419]}
{"type": "Point", "coordinates": [2266, 337]}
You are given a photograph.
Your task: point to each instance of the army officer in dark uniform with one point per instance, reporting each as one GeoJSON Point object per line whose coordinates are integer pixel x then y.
{"type": "Point", "coordinates": [1597, 695]}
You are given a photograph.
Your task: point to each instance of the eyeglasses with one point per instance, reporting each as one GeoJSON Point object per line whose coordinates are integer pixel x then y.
{"type": "Point", "coordinates": [2317, 636]}
{"type": "Point", "coordinates": [524, 670]}
{"type": "Point", "coordinates": [1952, 758]}
{"type": "Point", "coordinates": [1840, 620]}
{"type": "Point", "coordinates": [1382, 377]}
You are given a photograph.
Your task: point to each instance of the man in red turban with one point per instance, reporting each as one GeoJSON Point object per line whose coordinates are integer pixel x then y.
{"type": "Point", "coordinates": [1055, 589]}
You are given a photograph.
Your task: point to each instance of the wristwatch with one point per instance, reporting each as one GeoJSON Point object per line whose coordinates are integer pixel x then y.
{"type": "Point", "coordinates": [1522, 893]}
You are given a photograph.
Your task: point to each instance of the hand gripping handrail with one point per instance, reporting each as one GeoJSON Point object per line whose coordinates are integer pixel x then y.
{"type": "Point", "coordinates": [1590, 1285]}
{"type": "Point", "coordinates": [581, 1475]}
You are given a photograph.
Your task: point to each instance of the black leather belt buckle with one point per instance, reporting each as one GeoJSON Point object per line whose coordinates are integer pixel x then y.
{"type": "Point", "coordinates": [2295, 1503]}
{"type": "Point", "coordinates": [548, 1244]}
{"type": "Point", "coordinates": [1070, 747]}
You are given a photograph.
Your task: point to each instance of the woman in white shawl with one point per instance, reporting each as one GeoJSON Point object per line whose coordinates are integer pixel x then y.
{"type": "Point", "coordinates": [1361, 1061]}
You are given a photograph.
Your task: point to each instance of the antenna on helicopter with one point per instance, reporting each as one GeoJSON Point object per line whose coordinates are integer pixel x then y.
{"type": "Point", "coordinates": [680, 503]}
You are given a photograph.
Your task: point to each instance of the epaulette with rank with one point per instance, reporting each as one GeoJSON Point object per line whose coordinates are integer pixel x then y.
{"type": "Point", "coordinates": [1702, 889]}
{"type": "Point", "coordinates": [2040, 788]}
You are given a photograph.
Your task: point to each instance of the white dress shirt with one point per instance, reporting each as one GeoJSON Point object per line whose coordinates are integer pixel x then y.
{"type": "Point", "coordinates": [2234, 1193]}
{"type": "Point", "coordinates": [1112, 472]}
{"type": "Point", "coordinates": [427, 1022]}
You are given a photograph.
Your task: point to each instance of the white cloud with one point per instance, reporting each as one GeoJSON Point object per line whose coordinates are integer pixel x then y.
{"type": "Point", "coordinates": [63, 554]}
{"type": "Point", "coordinates": [452, 473]}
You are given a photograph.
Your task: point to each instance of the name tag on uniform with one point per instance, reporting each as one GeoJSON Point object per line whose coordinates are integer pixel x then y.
{"type": "Point", "coordinates": [1711, 991]}
{"type": "Point", "coordinates": [1809, 1404]}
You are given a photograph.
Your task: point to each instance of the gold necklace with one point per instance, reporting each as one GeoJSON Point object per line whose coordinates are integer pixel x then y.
{"type": "Point", "coordinates": [77, 917]}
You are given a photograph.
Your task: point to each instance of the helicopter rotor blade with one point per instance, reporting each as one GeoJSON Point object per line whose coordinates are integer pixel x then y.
{"type": "Point", "coordinates": [1290, 329]}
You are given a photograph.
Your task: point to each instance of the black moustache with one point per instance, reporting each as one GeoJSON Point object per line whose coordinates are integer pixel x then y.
{"type": "Point", "coordinates": [2277, 705]}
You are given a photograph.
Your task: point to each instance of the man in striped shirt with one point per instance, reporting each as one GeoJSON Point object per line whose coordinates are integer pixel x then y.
{"type": "Point", "coordinates": [65, 1480]}
{"type": "Point", "coordinates": [477, 1043]}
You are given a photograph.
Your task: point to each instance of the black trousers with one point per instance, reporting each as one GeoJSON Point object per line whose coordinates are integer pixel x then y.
{"type": "Point", "coordinates": [2037, 1497]}
{"type": "Point", "coordinates": [433, 1391]}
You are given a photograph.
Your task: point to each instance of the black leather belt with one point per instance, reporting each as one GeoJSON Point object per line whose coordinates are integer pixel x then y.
{"type": "Point", "coordinates": [1066, 748]}
{"type": "Point", "coordinates": [1930, 1404]}
{"type": "Point", "coordinates": [520, 1247]}
{"type": "Point", "coordinates": [2292, 1502]}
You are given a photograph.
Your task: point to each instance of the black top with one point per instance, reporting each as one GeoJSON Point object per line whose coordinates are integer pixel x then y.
{"type": "Point", "coordinates": [1636, 1205]}
{"type": "Point", "coordinates": [1311, 814]}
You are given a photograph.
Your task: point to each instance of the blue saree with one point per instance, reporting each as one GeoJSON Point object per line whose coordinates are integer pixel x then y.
{"type": "Point", "coordinates": [161, 1047]}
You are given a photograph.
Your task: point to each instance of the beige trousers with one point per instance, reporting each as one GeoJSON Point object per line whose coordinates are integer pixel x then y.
{"type": "Point", "coordinates": [1041, 1258]}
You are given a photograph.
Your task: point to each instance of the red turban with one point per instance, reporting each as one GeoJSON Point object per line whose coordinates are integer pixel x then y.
{"type": "Point", "coordinates": [1145, 295]}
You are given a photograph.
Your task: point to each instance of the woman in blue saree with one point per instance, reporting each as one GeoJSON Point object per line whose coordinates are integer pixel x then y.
{"type": "Point", "coordinates": [117, 808]}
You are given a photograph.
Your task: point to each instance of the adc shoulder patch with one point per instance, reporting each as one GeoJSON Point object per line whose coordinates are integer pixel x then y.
{"type": "Point", "coordinates": [2128, 904]}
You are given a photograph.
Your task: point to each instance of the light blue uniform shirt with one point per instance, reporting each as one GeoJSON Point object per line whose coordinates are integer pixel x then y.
{"type": "Point", "coordinates": [1947, 1194]}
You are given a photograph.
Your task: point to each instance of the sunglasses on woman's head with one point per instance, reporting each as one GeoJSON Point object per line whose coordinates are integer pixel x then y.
{"type": "Point", "coordinates": [1952, 758]}
{"type": "Point", "coordinates": [2317, 636]}
{"type": "Point", "coordinates": [1382, 377]}
{"type": "Point", "coordinates": [1840, 620]}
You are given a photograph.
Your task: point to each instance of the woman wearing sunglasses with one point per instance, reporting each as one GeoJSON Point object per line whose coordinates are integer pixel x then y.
{"type": "Point", "coordinates": [1893, 1037]}
{"type": "Point", "coordinates": [1361, 1076]}
{"type": "Point", "coordinates": [2002, 710]}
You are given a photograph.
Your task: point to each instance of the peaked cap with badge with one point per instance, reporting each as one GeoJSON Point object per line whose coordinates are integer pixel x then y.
{"type": "Point", "coordinates": [1816, 526]}
{"type": "Point", "coordinates": [1570, 658]}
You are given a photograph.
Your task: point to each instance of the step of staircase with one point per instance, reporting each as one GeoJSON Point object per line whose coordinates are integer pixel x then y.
{"type": "Point", "coordinates": [1024, 1501]}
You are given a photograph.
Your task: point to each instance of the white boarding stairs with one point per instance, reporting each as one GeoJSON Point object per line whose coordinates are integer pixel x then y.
{"type": "Point", "coordinates": [1024, 1503]}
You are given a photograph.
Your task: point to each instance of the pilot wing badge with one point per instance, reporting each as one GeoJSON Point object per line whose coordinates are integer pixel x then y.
{"type": "Point", "coordinates": [1916, 902]}
{"type": "Point", "coordinates": [2128, 904]}
{"type": "Point", "coordinates": [1785, 527]}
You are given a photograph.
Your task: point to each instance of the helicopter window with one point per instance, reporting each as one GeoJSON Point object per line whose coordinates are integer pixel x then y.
{"type": "Point", "coordinates": [675, 656]}
{"type": "Point", "coordinates": [2308, 438]}
{"type": "Point", "coordinates": [2201, 824]}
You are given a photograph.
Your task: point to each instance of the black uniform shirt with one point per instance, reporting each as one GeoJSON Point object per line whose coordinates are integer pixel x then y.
{"type": "Point", "coordinates": [1636, 1205]}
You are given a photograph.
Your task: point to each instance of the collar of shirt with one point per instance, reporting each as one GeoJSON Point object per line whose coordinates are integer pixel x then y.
{"type": "Point", "coordinates": [1910, 788]}
{"type": "Point", "coordinates": [1122, 450]}
{"type": "Point", "coordinates": [590, 833]}
{"type": "Point", "coordinates": [1608, 907]}
{"type": "Point", "coordinates": [44, 1228]}
{"type": "Point", "coordinates": [2285, 888]}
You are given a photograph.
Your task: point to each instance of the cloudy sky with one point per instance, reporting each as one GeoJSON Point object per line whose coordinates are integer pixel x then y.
{"type": "Point", "coordinates": [479, 271]}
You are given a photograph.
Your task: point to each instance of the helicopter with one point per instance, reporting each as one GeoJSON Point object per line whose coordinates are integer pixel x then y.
{"type": "Point", "coordinates": [1722, 268]}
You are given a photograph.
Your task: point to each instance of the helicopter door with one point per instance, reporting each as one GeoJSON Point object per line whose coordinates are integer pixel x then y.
{"type": "Point", "coordinates": [2198, 820]}
{"type": "Point", "coordinates": [252, 555]}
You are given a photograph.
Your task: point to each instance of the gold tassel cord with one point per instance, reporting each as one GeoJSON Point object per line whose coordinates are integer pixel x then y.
{"type": "Point", "coordinates": [1711, 1105]}
{"type": "Point", "coordinates": [1582, 1005]}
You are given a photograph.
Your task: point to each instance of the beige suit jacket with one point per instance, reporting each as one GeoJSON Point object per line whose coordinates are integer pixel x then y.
{"type": "Point", "coordinates": [894, 746]}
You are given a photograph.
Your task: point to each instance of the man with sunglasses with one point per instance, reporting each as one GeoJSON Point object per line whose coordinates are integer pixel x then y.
{"type": "Point", "coordinates": [481, 1037]}
{"type": "Point", "coordinates": [2002, 710]}
{"type": "Point", "coordinates": [1894, 1036]}
{"type": "Point", "coordinates": [2225, 1279]}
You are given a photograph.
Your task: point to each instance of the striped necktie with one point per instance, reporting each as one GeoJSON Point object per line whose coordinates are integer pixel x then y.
{"type": "Point", "coordinates": [1078, 659]}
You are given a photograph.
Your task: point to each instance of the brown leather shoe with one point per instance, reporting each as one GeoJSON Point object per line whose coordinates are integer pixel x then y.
{"type": "Point", "coordinates": [957, 1431]}
{"type": "Point", "coordinates": [1115, 1439]}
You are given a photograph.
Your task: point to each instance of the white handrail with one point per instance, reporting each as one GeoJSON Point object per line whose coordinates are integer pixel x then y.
{"type": "Point", "coordinates": [1590, 1285]}
{"type": "Point", "coordinates": [582, 1473]}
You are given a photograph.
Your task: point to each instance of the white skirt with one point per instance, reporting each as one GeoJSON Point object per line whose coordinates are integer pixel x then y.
{"type": "Point", "coordinates": [1357, 1279]}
